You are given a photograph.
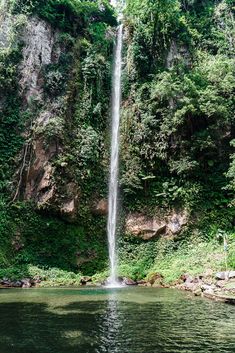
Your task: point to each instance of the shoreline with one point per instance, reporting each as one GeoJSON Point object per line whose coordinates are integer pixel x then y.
{"type": "Point", "coordinates": [218, 287]}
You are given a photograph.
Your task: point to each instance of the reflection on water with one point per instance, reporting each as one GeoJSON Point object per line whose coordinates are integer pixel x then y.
{"type": "Point", "coordinates": [125, 320]}
{"type": "Point", "coordinates": [110, 326]}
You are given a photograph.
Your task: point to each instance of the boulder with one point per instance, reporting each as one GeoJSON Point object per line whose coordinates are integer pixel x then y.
{"type": "Point", "coordinates": [229, 285]}
{"type": "Point", "coordinates": [221, 283]}
{"type": "Point", "coordinates": [85, 280]}
{"type": "Point", "coordinates": [156, 279]}
{"type": "Point", "coordinates": [231, 274]}
{"type": "Point", "coordinates": [128, 281]}
{"type": "Point", "coordinates": [26, 283]}
{"type": "Point", "coordinates": [186, 278]}
{"type": "Point", "coordinates": [68, 208]}
{"type": "Point", "coordinates": [226, 285]}
{"type": "Point", "coordinates": [197, 292]}
{"type": "Point", "coordinates": [46, 179]}
{"type": "Point", "coordinates": [224, 275]}
{"type": "Point", "coordinates": [38, 184]}
{"type": "Point", "coordinates": [208, 288]}
{"type": "Point", "coordinates": [191, 286]}
{"type": "Point", "coordinates": [16, 284]}
{"type": "Point", "coordinates": [5, 282]}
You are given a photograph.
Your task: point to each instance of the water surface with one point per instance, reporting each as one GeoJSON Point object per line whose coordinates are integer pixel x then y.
{"type": "Point", "coordinates": [125, 320]}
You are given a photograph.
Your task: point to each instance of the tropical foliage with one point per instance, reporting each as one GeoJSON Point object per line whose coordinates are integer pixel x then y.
{"type": "Point", "coordinates": [177, 131]}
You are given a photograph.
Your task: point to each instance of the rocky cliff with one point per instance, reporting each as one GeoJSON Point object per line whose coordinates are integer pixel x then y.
{"type": "Point", "coordinates": [62, 78]}
{"type": "Point", "coordinates": [177, 133]}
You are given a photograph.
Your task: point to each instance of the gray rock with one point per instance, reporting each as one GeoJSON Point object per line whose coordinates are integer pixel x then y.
{"type": "Point", "coordinates": [16, 284]}
{"type": "Point", "coordinates": [186, 278]}
{"type": "Point", "coordinates": [221, 275]}
{"type": "Point", "coordinates": [26, 283]}
{"type": "Point", "coordinates": [5, 282]}
{"type": "Point", "coordinates": [231, 274]}
{"type": "Point", "coordinates": [189, 279]}
{"type": "Point", "coordinates": [197, 292]}
{"type": "Point", "coordinates": [225, 275]}
{"type": "Point", "coordinates": [209, 291]}
{"type": "Point", "coordinates": [190, 286]}
{"type": "Point", "coordinates": [205, 287]}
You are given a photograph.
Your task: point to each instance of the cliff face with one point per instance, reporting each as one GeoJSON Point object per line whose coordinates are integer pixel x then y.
{"type": "Point", "coordinates": [41, 49]}
{"type": "Point", "coordinates": [60, 84]}
{"type": "Point", "coordinates": [176, 130]}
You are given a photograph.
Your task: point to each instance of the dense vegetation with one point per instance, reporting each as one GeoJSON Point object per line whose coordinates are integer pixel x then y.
{"type": "Point", "coordinates": [79, 83]}
{"type": "Point", "coordinates": [177, 133]}
{"type": "Point", "coordinates": [178, 123]}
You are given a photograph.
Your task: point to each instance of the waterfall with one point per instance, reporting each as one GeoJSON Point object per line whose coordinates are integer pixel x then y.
{"type": "Point", "coordinates": [114, 163]}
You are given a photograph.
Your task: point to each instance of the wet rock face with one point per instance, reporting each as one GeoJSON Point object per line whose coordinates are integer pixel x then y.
{"type": "Point", "coordinates": [36, 174]}
{"type": "Point", "coordinates": [38, 179]}
{"type": "Point", "coordinates": [147, 228]}
{"type": "Point", "coordinates": [144, 227]}
{"type": "Point", "coordinates": [69, 207]}
{"type": "Point", "coordinates": [39, 50]}
{"type": "Point", "coordinates": [178, 52]}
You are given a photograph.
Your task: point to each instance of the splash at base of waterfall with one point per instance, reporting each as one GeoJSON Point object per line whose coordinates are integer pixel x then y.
{"type": "Point", "coordinates": [109, 283]}
{"type": "Point", "coordinates": [115, 285]}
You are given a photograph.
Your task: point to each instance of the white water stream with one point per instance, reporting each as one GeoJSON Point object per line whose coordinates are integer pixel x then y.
{"type": "Point", "coordinates": [114, 164]}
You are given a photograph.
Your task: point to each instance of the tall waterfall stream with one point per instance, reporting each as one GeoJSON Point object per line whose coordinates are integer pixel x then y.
{"type": "Point", "coordinates": [114, 163]}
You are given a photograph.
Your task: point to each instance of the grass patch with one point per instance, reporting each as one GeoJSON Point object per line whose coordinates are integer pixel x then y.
{"type": "Point", "coordinates": [51, 277]}
{"type": "Point", "coordinates": [172, 260]}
